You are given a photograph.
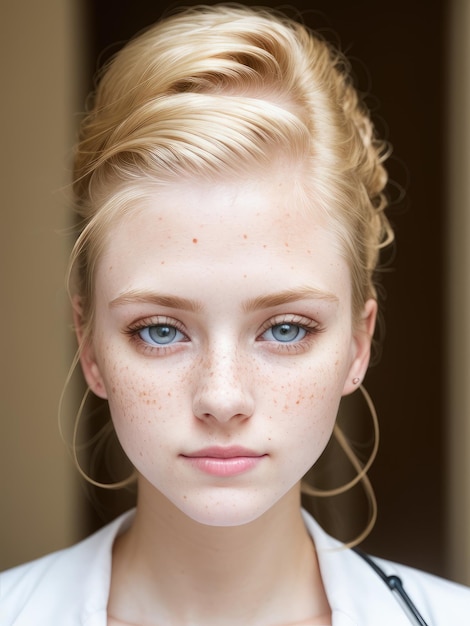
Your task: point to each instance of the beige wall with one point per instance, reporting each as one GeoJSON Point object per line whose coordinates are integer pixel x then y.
{"type": "Point", "coordinates": [40, 91]}
{"type": "Point", "coordinates": [458, 296]}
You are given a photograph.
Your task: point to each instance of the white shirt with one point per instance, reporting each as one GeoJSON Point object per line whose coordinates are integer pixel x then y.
{"type": "Point", "coordinates": [71, 587]}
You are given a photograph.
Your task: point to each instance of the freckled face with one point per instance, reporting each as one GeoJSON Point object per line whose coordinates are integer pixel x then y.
{"type": "Point", "coordinates": [223, 341]}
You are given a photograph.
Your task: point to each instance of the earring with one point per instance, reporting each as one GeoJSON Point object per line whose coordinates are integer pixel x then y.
{"type": "Point", "coordinates": [358, 465]}
{"type": "Point", "coordinates": [356, 380]}
{"type": "Point", "coordinates": [105, 431]}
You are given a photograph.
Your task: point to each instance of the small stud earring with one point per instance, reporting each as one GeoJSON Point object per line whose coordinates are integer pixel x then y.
{"type": "Point", "coordinates": [356, 380]}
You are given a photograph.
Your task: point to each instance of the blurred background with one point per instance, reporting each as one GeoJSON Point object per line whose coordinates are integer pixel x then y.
{"type": "Point", "coordinates": [414, 60]}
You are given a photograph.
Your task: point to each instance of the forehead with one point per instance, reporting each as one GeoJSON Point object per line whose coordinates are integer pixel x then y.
{"type": "Point", "coordinates": [257, 228]}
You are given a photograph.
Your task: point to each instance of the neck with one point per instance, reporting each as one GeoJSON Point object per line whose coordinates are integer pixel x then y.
{"type": "Point", "coordinates": [169, 569]}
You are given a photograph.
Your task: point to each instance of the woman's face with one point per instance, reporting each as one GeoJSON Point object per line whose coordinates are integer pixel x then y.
{"type": "Point", "coordinates": [224, 341]}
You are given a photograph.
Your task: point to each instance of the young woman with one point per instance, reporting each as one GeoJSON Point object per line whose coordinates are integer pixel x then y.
{"type": "Point", "coordinates": [232, 193]}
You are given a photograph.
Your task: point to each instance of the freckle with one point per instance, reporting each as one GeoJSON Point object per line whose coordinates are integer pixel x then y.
{"type": "Point", "coordinates": [245, 236]}
{"type": "Point", "coordinates": [162, 262]}
{"type": "Point", "coordinates": [169, 394]}
{"type": "Point", "coordinates": [244, 276]}
{"type": "Point", "coordinates": [194, 240]}
{"type": "Point", "coordinates": [298, 402]}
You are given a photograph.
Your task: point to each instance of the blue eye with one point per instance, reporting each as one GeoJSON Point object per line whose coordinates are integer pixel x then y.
{"type": "Point", "coordinates": [160, 334]}
{"type": "Point", "coordinates": [285, 333]}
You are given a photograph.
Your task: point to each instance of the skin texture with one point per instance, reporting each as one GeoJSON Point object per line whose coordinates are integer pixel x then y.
{"type": "Point", "coordinates": [235, 261]}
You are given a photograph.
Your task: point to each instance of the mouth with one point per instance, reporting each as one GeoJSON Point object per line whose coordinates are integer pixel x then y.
{"type": "Point", "coordinates": [224, 461]}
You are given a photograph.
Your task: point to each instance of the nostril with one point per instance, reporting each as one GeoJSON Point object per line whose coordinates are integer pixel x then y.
{"type": "Point", "coordinates": [223, 389]}
{"type": "Point", "coordinates": [223, 404]}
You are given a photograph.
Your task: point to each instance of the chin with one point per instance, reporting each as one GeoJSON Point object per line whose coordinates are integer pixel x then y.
{"type": "Point", "coordinates": [229, 510]}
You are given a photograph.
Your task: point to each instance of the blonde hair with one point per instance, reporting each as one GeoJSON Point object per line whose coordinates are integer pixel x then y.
{"type": "Point", "coordinates": [212, 91]}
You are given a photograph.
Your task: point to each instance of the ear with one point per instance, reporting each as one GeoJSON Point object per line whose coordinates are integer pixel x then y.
{"type": "Point", "coordinates": [90, 368]}
{"type": "Point", "coordinates": [362, 340]}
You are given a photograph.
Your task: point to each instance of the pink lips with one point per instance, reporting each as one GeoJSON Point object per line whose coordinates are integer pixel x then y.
{"type": "Point", "coordinates": [220, 461]}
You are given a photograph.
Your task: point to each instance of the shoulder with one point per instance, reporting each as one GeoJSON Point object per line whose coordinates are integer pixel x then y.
{"type": "Point", "coordinates": [67, 587]}
{"type": "Point", "coordinates": [359, 596]}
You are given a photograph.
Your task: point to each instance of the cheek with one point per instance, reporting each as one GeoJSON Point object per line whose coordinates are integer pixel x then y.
{"type": "Point", "coordinates": [142, 400]}
{"type": "Point", "coordinates": [307, 386]}
{"type": "Point", "coordinates": [306, 404]}
{"type": "Point", "coordinates": [141, 414]}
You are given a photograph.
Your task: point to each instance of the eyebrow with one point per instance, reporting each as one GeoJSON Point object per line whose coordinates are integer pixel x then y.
{"type": "Point", "coordinates": [137, 296]}
{"type": "Point", "coordinates": [287, 296]}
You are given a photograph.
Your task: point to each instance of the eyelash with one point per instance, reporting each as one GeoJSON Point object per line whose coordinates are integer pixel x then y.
{"type": "Point", "coordinates": [310, 327]}
{"type": "Point", "coordinates": [136, 328]}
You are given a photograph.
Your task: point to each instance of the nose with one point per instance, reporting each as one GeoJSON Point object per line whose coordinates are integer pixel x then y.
{"type": "Point", "coordinates": [223, 390]}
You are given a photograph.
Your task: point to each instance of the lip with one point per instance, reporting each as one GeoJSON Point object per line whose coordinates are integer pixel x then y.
{"type": "Point", "coordinates": [224, 461]}
{"type": "Point", "coordinates": [221, 452]}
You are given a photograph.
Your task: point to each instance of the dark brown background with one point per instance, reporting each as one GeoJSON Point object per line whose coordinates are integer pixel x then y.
{"type": "Point", "coordinates": [398, 51]}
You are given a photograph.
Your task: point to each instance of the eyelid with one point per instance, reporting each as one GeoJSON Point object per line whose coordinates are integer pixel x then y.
{"type": "Point", "coordinates": [311, 327]}
{"type": "Point", "coordinates": [155, 320]}
{"type": "Point", "coordinates": [288, 318]}
{"type": "Point", "coordinates": [136, 327]}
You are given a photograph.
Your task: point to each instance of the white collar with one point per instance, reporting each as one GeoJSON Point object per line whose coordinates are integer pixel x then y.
{"type": "Point", "coordinates": [357, 596]}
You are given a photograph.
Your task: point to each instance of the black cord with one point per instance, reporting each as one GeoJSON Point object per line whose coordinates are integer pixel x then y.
{"type": "Point", "coordinates": [395, 585]}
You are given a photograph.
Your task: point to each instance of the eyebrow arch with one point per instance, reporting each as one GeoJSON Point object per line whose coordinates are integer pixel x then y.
{"type": "Point", "coordinates": [137, 296]}
{"type": "Point", "coordinates": [285, 297]}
